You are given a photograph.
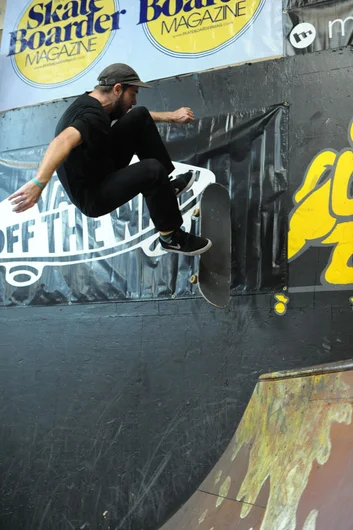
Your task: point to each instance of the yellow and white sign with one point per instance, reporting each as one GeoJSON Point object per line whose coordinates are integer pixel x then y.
{"type": "Point", "coordinates": [62, 45]}
{"type": "Point", "coordinates": [197, 27]}
{"type": "Point", "coordinates": [55, 42]}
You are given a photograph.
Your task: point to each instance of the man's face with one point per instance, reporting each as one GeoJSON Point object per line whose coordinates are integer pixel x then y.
{"type": "Point", "coordinates": [124, 102]}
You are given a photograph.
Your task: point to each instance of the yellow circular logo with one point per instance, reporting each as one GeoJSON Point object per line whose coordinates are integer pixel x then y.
{"type": "Point", "coordinates": [195, 28]}
{"type": "Point", "coordinates": [56, 42]}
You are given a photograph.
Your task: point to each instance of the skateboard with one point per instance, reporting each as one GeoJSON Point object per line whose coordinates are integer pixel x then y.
{"type": "Point", "coordinates": [214, 274]}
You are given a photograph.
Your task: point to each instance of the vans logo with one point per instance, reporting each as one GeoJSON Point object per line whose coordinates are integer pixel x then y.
{"type": "Point", "coordinates": [55, 233]}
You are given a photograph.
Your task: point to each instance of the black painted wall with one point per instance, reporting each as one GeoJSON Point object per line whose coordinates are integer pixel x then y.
{"type": "Point", "coordinates": [111, 415]}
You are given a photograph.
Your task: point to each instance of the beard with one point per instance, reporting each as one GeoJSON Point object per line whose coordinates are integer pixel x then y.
{"type": "Point", "coordinates": [119, 109]}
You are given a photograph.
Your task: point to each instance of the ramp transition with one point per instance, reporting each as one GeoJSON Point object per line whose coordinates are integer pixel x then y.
{"type": "Point", "coordinates": [289, 465]}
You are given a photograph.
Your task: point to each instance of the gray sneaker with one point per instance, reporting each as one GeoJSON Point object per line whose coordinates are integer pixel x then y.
{"type": "Point", "coordinates": [185, 243]}
{"type": "Point", "coordinates": [183, 183]}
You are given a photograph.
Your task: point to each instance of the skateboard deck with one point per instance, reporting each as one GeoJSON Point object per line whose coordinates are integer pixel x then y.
{"type": "Point", "coordinates": [214, 273]}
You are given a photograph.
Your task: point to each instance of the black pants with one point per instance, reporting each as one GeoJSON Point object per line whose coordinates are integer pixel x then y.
{"type": "Point", "coordinates": [136, 133]}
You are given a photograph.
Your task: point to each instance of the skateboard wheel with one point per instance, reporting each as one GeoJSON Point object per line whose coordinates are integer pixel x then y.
{"type": "Point", "coordinates": [193, 279]}
{"type": "Point", "coordinates": [196, 212]}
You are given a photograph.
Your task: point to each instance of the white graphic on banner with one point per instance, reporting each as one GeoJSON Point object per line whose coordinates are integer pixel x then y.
{"type": "Point", "coordinates": [340, 26]}
{"type": "Point", "coordinates": [302, 35]}
{"type": "Point", "coordinates": [62, 235]}
{"type": "Point", "coordinates": [53, 50]}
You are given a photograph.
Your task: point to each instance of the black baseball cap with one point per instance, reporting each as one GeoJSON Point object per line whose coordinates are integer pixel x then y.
{"type": "Point", "coordinates": [120, 73]}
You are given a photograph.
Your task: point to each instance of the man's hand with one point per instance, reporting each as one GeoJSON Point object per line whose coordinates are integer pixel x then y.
{"type": "Point", "coordinates": [180, 116]}
{"type": "Point", "coordinates": [183, 115]}
{"type": "Point", "coordinates": [58, 150]}
{"type": "Point", "coordinates": [25, 197]}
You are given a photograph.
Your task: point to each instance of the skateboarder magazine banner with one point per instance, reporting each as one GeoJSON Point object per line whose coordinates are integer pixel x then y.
{"type": "Point", "coordinates": [311, 26]}
{"type": "Point", "coordinates": [52, 253]}
{"type": "Point", "coordinates": [51, 50]}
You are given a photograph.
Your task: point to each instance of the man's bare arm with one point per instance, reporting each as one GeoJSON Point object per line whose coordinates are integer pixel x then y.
{"type": "Point", "coordinates": [181, 116]}
{"type": "Point", "coordinates": [28, 195]}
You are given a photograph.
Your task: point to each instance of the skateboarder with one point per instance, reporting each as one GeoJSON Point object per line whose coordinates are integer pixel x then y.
{"type": "Point", "coordinates": [94, 143]}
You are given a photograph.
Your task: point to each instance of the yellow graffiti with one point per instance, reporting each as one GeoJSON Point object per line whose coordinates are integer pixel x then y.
{"type": "Point", "coordinates": [223, 491]}
{"type": "Point", "coordinates": [323, 212]}
{"type": "Point", "coordinates": [218, 477]}
{"type": "Point", "coordinates": [318, 167]}
{"type": "Point", "coordinates": [288, 430]}
{"type": "Point", "coordinates": [342, 206]}
{"type": "Point", "coordinates": [342, 237]}
{"type": "Point", "coordinates": [203, 516]}
{"type": "Point", "coordinates": [311, 221]}
{"type": "Point", "coordinates": [310, 523]}
{"type": "Point", "coordinates": [281, 304]}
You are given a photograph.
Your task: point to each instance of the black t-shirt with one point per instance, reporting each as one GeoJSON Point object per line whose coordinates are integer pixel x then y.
{"type": "Point", "coordinates": [90, 161]}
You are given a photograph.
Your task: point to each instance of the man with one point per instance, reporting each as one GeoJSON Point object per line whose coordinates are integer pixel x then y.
{"type": "Point", "coordinates": [92, 159]}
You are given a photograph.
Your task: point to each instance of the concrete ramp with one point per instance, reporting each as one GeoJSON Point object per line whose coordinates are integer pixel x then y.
{"type": "Point", "coordinates": [289, 465]}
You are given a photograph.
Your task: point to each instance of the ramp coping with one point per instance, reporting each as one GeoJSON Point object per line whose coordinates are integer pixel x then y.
{"type": "Point", "coordinates": [339, 366]}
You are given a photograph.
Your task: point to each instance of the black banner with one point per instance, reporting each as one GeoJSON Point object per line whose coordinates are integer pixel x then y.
{"type": "Point", "coordinates": [316, 26]}
{"type": "Point", "coordinates": [53, 254]}
{"type": "Point", "coordinates": [289, 4]}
